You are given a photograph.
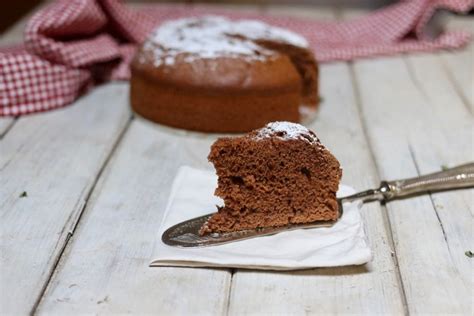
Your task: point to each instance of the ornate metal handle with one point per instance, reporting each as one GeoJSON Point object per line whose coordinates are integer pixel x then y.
{"type": "Point", "coordinates": [452, 178]}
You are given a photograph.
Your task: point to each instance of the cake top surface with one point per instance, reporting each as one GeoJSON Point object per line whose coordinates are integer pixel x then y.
{"type": "Point", "coordinates": [287, 131]}
{"type": "Point", "coordinates": [216, 36]}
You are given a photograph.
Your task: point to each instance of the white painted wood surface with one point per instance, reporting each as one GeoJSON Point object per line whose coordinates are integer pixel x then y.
{"type": "Point", "coordinates": [409, 135]}
{"type": "Point", "coordinates": [453, 145]}
{"type": "Point", "coordinates": [383, 118]}
{"type": "Point", "coordinates": [5, 124]}
{"type": "Point", "coordinates": [119, 229]}
{"type": "Point", "coordinates": [416, 123]}
{"type": "Point", "coordinates": [55, 158]}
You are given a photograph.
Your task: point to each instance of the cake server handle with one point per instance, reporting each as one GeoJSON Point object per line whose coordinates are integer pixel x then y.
{"type": "Point", "coordinates": [452, 178]}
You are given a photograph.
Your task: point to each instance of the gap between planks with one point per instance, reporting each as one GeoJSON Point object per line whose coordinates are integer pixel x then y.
{"type": "Point", "coordinates": [81, 212]}
{"type": "Point", "coordinates": [418, 171]}
{"type": "Point", "coordinates": [412, 62]}
{"type": "Point", "coordinates": [229, 292]}
{"type": "Point", "coordinates": [6, 124]}
{"type": "Point", "coordinates": [57, 153]}
{"type": "Point", "coordinates": [418, 299]}
{"type": "Point", "coordinates": [386, 218]}
{"type": "Point", "coordinates": [425, 69]}
{"type": "Point", "coordinates": [146, 161]}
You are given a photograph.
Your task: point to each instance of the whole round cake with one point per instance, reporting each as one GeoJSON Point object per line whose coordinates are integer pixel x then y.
{"type": "Point", "coordinates": [212, 74]}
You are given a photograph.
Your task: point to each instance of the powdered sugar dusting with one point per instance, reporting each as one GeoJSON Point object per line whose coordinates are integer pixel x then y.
{"type": "Point", "coordinates": [258, 30]}
{"type": "Point", "coordinates": [286, 131]}
{"type": "Point", "coordinates": [215, 36]}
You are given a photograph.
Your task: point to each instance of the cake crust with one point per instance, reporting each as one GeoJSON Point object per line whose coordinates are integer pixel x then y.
{"type": "Point", "coordinates": [215, 75]}
{"type": "Point", "coordinates": [275, 176]}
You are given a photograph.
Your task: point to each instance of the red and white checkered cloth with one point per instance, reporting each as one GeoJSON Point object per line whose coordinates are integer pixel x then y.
{"type": "Point", "coordinates": [74, 44]}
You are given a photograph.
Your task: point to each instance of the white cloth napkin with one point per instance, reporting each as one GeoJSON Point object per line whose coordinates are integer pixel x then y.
{"type": "Point", "coordinates": [192, 195]}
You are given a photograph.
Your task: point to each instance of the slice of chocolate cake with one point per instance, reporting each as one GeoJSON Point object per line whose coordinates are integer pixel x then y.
{"type": "Point", "coordinates": [278, 175]}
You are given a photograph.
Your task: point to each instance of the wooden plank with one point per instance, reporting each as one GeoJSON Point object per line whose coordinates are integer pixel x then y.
{"type": "Point", "coordinates": [369, 289]}
{"type": "Point", "coordinates": [421, 125]}
{"type": "Point", "coordinates": [407, 121]}
{"type": "Point", "coordinates": [455, 128]}
{"type": "Point", "coordinates": [460, 63]}
{"type": "Point", "coordinates": [6, 123]}
{"type": "Point", "coordinates": [49, 164]}
{"type": "Point", "coordinates": [109, 258]}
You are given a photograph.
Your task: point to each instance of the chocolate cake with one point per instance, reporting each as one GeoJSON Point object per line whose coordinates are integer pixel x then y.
{"type": "Point", "coordinates": [278, 175]}
{"type": "Point", "coordinates": [212, 74]}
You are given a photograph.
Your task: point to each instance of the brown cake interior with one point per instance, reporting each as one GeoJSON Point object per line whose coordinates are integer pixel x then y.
{"type": "Point", "coordinates": [305, 63]}
{"type": "Point", "coordinates": [273, 181]}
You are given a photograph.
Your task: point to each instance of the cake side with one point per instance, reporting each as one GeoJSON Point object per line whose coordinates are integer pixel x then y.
{"type": "Point", "coordinates": [212, 74]}
{"type": "Point", "coordinates": [304, 62]}
{"type": "Point", "coordinates": [222, 74]}
{"type": "Point", "coordinates": [228, 111]}
{"type": "Point", "coordinates": [273, 177]}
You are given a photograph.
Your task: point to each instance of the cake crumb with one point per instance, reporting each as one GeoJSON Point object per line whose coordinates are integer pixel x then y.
{"type": "Point", "coordinates": [273, 183]}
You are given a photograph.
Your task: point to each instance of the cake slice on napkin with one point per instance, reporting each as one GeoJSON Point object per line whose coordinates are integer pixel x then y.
{"type": "Point", "coordinates": [278, 175]}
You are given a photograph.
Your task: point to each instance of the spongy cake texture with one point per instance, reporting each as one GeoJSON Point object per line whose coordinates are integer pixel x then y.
{"type": "Point", "coordinates": [278, 175]}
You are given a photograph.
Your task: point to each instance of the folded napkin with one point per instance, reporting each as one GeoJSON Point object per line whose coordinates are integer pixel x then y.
{"type": "Point", "coordinates": [72, 45]}
{"type": "Point", "coordinates": [192, 195]}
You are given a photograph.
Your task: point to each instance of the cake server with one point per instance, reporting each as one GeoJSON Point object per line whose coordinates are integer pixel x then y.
{"type": "Point", "coordinates": [186, 234]}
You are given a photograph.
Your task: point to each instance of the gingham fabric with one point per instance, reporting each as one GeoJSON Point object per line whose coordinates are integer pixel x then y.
{"type": "Point", "coordinates": [73, 45]}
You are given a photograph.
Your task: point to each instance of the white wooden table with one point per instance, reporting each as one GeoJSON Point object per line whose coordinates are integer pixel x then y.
{"type": "Point", "coordinates": [97, 181]}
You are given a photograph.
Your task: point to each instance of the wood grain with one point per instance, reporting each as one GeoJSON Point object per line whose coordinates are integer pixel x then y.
{"type": "Point", "coordinates": [6, 123]}
{"type": "Point", "coordinates": [455, 130]}
{"type": "Point", "coordinates": [52, 158]}
{"type": "Point", "coordinates": [417, 123]}
{"type": "Point", "coordinates": [405, 126]}
{"type": "Point", "coordinates": [114, 243]}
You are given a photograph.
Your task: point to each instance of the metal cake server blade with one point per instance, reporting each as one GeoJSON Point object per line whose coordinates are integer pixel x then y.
{"type": "Point", "coordinates": [186, 234]}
